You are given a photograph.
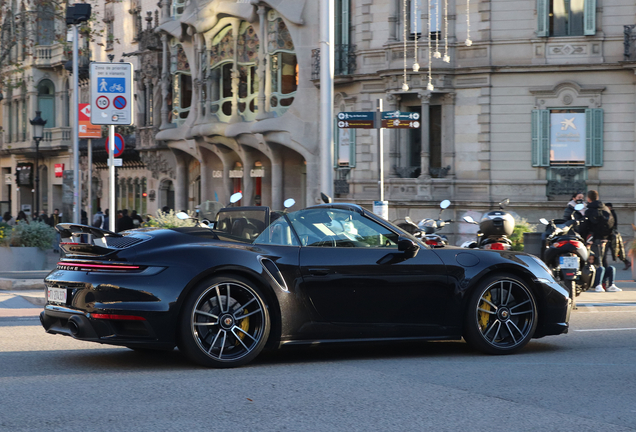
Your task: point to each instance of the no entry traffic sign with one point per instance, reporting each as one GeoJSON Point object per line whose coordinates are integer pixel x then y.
{"type": "Point", "coordinates": [119, 145]}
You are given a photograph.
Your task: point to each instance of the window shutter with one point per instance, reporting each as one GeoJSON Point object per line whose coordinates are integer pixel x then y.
{"type": "Point", "coordinates": [543, 23]}
{"type": "Point", "coordinates": [540, 138]}
{"type": "Point", "coordinates": [590, 18]}
{"type": "Point", "coordinates": [594, 137]}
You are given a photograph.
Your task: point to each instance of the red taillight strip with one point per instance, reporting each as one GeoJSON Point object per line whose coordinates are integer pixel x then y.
{"type": "Point", "coordinates": [100, 266]}
{"type": "Point", "coordinates": [71, 243]}
{"type": "Point", "coordinates": [118, 317]}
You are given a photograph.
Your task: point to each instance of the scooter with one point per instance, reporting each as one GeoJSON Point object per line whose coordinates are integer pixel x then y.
{"type": "Point", "coordinates": [426, 229]}
{"type": "Point", "coordinates": [494, 229]}
{"type": "Point", "coordinates": [565, 253]}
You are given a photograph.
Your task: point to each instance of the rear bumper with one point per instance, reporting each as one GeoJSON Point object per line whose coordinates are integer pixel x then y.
{"type": "Point", "coordinates": [83, 326]}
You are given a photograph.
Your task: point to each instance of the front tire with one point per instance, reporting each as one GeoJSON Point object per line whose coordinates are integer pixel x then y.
{"type": "Point", "coordinates": [501, 316]}
{"type": "Point", "coordinates": [224, 322]}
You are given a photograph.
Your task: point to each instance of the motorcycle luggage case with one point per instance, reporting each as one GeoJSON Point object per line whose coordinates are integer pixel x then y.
{"type": "Point", "coordinates": [497, 223]}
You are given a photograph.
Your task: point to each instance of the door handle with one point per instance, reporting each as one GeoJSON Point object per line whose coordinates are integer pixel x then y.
{"type": "Point", "coordinates": [319, 271]}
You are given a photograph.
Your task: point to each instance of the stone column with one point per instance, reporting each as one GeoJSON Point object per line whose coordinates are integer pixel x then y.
{"type": "Point", "coordinates": [262, 66]}
{"type": "Point", "coordinates": [277, 178]}
{"type": "Point", "coordinates": [394, 19]}
{"type": "Point", "coordinates": [181, 182]}
{"type": "Point", "coordinates": [165, 81]}
{"type": "Point", "coordinates": [393, 103]}
{"type": "Point", "coordinates": [235, 76]}
{"type": "Point", "coordinates": [425, 129]}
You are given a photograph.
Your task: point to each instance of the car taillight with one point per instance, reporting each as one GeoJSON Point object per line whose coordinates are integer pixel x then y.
{"type": "Point", "coordinates": [62, 265]}
{"type": "Point", "coordinates": [577, 244]}
{"type": "Point", "coordinates": [431, 242]}
{"type": "Point", "coordinates": [118, 317]}
{"type": "Point", "coordinates": [497, 246]}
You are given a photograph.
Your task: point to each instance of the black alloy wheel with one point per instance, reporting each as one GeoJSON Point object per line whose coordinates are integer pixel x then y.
{"type": "Point", "coordinates": [501, 315]}
{"type": "Point", "coordinates": [224, 323]}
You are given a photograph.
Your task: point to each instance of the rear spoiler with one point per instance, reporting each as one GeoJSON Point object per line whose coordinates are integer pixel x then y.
{"type": "Point", "coordinates": [69, 230]}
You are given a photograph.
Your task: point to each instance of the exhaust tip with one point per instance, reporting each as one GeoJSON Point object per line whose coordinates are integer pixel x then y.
{"type": "Point", "coordinates": [74, 325]}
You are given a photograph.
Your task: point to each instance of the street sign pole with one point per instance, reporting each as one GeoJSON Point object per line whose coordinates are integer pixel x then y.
{"type": "Point", "coordinates": [112, 217]}
{"type": "Point", "coordinates": [77, 195]}
{"type": "Point", "coordinates": [380, 147]}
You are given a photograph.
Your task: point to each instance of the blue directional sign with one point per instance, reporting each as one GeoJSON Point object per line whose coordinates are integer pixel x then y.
{"type": "Point", "coordinates": [111, 85]}
{"type": "Point", "coordinates": [356, 120]}
{"type": "Point", "coordinates": [400, 120]}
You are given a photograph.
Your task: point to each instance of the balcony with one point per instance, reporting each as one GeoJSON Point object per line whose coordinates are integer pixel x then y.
{"type": "Point", "coordinates": [344, 61]}
{"type": "Point", "coordinates": [629, 42]}
{"type": "Point", "coordinates": [49, 56]}
{"type": "Point", "coordinates": [54, 139]}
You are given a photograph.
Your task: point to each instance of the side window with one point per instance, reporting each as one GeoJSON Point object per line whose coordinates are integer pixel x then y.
{"type": "Point", "coordinates": [278, 233]}
{"type": "Point", "coordinates": [340, 228]}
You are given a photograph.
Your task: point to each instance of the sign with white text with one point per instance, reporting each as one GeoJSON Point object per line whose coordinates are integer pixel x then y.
{"type": "Point", "coordinates": [567, 137]}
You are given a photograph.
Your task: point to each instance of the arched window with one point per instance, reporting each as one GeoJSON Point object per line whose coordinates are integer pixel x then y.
{"type": "Point", "coordinates": [67, 104]}
{"type": "Point", "coordinates": [46, 102]}
{"type": "Point", "coordinates": [283, 66]}
{"type": "Point", "coordinates": [247, 57]}
{"type": "Point", "coordinates": [221, 65]}
{"type": "Point", "coordinates": [181, 83]}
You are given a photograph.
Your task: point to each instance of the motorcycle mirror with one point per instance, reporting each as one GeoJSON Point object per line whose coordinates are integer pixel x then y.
{"type": "Point", "coordinates": [579, 207]}
{"type": "Point", "coordinates": [236, 197]}
{"type": "Point", "coordinates": [445, 204]}
{"type": "Point", "coordinates": [544, 221]}
{"type": "Point", "coordinates": [469, 219]}
{"type": "Point", "coordinates": [409, 220]}
{"type": "Point", "coordinates": [325, 198]}
{"type": "Point", "coordinates": [289, 203]}
{"type": "Point", "coordinates": [504, 203]}
{"type": "Point", "coordinates": [182, 216]}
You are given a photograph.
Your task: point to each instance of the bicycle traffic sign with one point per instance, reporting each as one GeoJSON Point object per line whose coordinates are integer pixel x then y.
{"type": "Point", "coordinates": [111, 89]}
{"type": "Point", "coordinates": [119, 145]}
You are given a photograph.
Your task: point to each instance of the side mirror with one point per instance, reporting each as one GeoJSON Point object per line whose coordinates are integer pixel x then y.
{"type": "Point", "coordinates": [182, 216]}
{"type": "Point", "coordinates": [326, 198]}
{"type": "Point", "coordinates": [289, 203]}
{"type": "Point", "coordinates": [408, 246]}
{"type": "Point", "coordinates": [410, 221]}
{"type": "Point", "coordinates": [444, 204]}
{"type": "Point", "coordinates": [236, 197]}
{"type": "Point", "coordinates": [503, 204]}
{"type": "Point", "coordinates": [469, 219]}
{"type": "Point", "coordinates": [544, 221]}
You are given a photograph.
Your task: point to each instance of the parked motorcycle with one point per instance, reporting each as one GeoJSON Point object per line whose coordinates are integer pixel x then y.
{"type": "Point", "coordinates": [494, 229]}
{"type": "Point", "coordinates": [427, 228]}
{"type": "Point", "coordinates": [565, 253]}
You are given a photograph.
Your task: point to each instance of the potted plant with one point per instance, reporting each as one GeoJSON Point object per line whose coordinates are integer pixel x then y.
{"type": "Point", "coordinates": [23, 247]}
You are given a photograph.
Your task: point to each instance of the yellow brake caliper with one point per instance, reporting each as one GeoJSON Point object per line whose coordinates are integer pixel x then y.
{"type": "Point", "coordinates": [244, 325]}
{"type": "Point", "coordinates": [484, 317]}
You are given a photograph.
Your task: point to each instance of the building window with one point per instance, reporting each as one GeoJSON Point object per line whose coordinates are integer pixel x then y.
{"type": "Point", "coordinates": [135, 11]}
{"type": "Point", "coordinates": [110, 34]}
{"type": "Point", "coordinates": [566, 17]}
{"type": "Point", "coordinates": [24, 119]}
{"type": "Point", "coordinates": [46, 102]}
{"type": "Point", "coordinates": [181, 83]}
{"type": "Point", "coordinates": [247, 56]}
{"type": "Point", "coordinates": [9, 106]}
{"type": "Point", "coordinates": [435, 137]}
{"type": "Point", "coordinates": [283, 66]}
{"type": "Point", "coordinates": [567, 137]}
{"type": "Point", "coordinates": [46, 24]}
{"type": "Point", "coordinates": [178, 6]}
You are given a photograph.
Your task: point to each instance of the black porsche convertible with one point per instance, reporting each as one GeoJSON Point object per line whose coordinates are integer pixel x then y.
{"type": "Point", "coordinates": [257, 279]}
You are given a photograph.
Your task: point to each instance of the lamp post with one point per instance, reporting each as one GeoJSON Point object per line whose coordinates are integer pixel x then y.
{"type": "Point", "coordinates": [38, 132]}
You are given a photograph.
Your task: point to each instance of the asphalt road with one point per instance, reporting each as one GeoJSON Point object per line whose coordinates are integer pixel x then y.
{"type": "Point", "coordinates": [583, 381]}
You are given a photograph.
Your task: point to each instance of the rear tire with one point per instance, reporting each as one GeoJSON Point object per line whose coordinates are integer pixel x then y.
{"type": "Point", "coordinates": [224, 322]}
{"type": "Point", "coordinates": [501, 317]}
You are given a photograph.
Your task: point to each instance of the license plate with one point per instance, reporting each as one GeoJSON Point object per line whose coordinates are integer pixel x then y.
{"type": "Point", "coordinates": [569, 262]}
{"type": "Point", "coordinates": [56, 295]}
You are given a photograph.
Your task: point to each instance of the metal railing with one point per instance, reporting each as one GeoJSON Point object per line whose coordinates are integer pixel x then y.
{"type": "Point", "coordinates": [344, 61]}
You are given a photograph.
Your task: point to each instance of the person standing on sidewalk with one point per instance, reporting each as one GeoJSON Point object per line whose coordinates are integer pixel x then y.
{"type": "Point", "coordinates": [615, 244]}
{"type": "Point", "coordinates": [599, 223]}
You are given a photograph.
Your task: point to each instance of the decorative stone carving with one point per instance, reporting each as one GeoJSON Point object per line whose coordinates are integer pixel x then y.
{"type": "Point", "coordinates": [157, 165]}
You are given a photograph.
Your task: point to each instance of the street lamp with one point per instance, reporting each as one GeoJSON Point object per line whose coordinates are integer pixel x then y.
{"type": "Point", "coordinates": [38, 132]}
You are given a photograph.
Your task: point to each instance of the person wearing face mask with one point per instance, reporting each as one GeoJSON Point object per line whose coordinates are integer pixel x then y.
{"type": "Point", "coordinates": [577, 198]}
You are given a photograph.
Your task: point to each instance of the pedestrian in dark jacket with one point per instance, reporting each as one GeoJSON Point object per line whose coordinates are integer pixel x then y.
{"type": "Point", "coordinates": [577, 198]}
{"type": "Point", "coordinates": [125, 222]}
{"type": "Point", "coordinates": [599, 223]}
{"type": "Point", "coordinates": [616, 245]}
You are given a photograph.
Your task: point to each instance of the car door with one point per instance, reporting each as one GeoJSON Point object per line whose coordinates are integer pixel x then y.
{"type": "Point", "coordinates": [353, 273]}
